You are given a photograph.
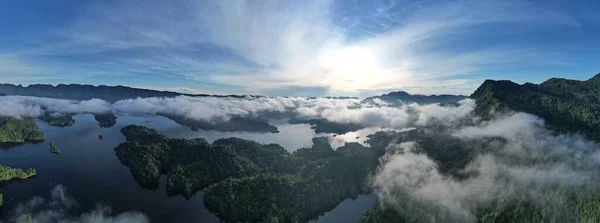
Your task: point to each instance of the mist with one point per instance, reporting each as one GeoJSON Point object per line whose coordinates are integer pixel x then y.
{"type": "Point", "coordinates": [521, 158]}
{"type": "Point", "coordinates": [25, 106]}
{"type": "Point", "coordinates": [60, 208]}
{"type": "Point", "coordinates": [218, 109]}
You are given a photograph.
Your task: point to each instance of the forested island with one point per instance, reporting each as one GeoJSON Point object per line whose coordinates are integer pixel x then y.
{"type": "Point", "coordinates": [247, 181]}
{"type": "Point", "coordinates": [19, 130]}
{"type": "Point", "coordinates": [325, 126]}
{"type": "Point", "coordinates": [566, 105]}
{"type": "Point", "coordinates": [60, 120]}
{"type": "Point", "coordinates": [8, 173]}
{"type": "Point", "coordinates": [235, 123]}
{"type": "Point", "coordinates": [106, 120]}
{"type": "Point", "coordinates": [54, 149]}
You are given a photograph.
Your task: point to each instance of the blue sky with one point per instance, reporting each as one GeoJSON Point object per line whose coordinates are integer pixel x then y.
{"type": "Point", "coordinates": [307, 48]}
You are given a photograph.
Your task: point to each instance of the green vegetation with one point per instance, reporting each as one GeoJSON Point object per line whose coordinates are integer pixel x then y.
{"type": "Point", "coordinates": [401, 97]}
{"type": "Point", "coordinates": [325, 126]}
{"type": "Point", "coordinates": [248, 181]}
{"type": "Point", "coordinates": [7, 173]}
{"type": "Point", "coordinates": [552, 203]}
{"type": "Point", "coordinates": [566, 105]}
{"type": "Point", "coordinates": [233, 124]}
{"type": "Point", "coordinates": [1, 200]}
{"type": "Point", "coordinates": [60, 120]}
{"type": "Point", "coordinates": [54, 149]}
{"type": "Point", "coordinates": [106, 120]}
{"type": "Point", "coordinates": [14, 130]}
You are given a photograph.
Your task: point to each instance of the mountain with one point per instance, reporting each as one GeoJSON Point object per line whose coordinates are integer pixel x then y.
{"type": "Point", "coordinates": [566, 105]}
{"type": "Point", "coordinates": [86, 92]}
{"type": "Point", "coordinates": [402, 97]}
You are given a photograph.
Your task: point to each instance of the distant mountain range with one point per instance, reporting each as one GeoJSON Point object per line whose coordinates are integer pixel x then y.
{"type": "Point", "coordinates": [566, 105]}
{"type": "Point", "coordinates": [402, 97]}
{"type": "Point", "coordinates": [86, 92]}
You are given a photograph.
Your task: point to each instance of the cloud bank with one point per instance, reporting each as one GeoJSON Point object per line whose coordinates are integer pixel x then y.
{"type": "Point", "coordinates": [60, 206]}
{"type": "Point", "coordinates": [216, 109]}
{"type": "Point", "coordinates": [266, 47]}
{"type": "Point", "coordinates": [23, 106]}
{"type": "Point", "coordinates": [528, 160]}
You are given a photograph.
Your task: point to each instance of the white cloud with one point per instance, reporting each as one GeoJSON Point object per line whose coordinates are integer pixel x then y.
{"type": "Point", "coordinates": [60, 206]}
{"type": "Point", "coordinates": [262, 46]}
{"type": "Point", "coordinates": [411, 181]}
{"type": "Point", "coordinates": [20, 106]}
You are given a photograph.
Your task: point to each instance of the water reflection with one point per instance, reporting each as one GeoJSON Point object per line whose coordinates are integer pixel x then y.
{"type": "Point", "coordinates": [89, 168]}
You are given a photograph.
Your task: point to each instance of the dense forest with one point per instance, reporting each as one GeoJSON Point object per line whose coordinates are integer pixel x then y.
{"type": "Point", "coordinates": [87, 92]}
{"type": "Point", "coordinates": [247, 181]}
{"type": "Point", "coordinates": [60, 120]}
{"type": "Point", "coordinates": [236, 123]}
{"type": "Point", "coordinates": [8, 173]}
{"type": "Point", "coordinates": [106, 120]}
{"type": "Point", "coordinates": [401, 97]}
{"type": "Point", "coordinates": [555, 202]}
{"type": "Point", "coordinates": [566, 105]}
{"type": "Point", "coordinates": [324, 126]}
{"type": "Point", "coordinates": [15, 130]}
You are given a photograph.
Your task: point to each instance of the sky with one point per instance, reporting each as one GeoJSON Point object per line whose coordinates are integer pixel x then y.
{"type": "Point", "coordinates": [297, 48]}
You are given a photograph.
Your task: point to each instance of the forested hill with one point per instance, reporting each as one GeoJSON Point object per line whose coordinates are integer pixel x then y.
{"type": "Point", "coordinates": [566, 105]}
{"type": "Point", "coordinates": [86, 92]}
{"type": "Point", "coordinates": [402, 97]}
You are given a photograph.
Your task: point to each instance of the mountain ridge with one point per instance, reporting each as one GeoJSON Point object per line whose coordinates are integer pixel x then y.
{"type": "Point", "coordinates": [88, 91]}
{"type": "Point", "coordinates": [566, 105]}
{"type": "Point", "coordinates": [403, 97]}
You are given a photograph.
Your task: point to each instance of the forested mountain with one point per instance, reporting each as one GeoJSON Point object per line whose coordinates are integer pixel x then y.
{"type": "Point", "coordinates": [250, 182]}
{"type": "Point", "coordinates": [402, 97]}
{"type": "Point", "coordinates": [16, 131]}
{"type": "Point", "coordinates": [86, 92]}
{"type": "Point", "coordinates": [566, 105]}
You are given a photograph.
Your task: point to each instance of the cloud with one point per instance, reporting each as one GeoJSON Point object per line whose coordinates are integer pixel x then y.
{"type": "Point", "coordinates": [531, 160]}
{"type": "Point", "coordinates": [25, 106]}
{"type": "Point", "coordinates": [270, 46]}
{"type": "Point", "coordinates": [205, 108]}
{"type": "Point", "coordinates": [214, 109]}
{"type": "Point", "coordinates": [60, 208]}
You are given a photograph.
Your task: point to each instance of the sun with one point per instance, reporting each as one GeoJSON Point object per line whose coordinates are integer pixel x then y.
{"type": "Point", "coordinates": [349, 68]}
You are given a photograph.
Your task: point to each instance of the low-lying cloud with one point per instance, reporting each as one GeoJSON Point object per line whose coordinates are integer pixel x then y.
{"type": "Point", "coordinates": [25, 106]}
{"type": "Point", "coordinates": [60, 208]}
{"type": "Point", "coordinates": [530, 160]}
{"type": "Point", "coordinates": [215, 109]}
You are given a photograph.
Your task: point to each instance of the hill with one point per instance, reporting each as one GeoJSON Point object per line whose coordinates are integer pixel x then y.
{"type": "Point", "coordinates": [86, 92]}
{"type": "Point", "coordinates": [402, 97]}
{"type": "Point", "coordinates": [566, 105]}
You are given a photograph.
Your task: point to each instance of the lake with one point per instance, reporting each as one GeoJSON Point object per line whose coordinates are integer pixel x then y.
{"type": "Point", "coordinates": [92, 174]}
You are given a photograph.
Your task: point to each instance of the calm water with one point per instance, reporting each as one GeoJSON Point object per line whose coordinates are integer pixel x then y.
{"type": "Point", "coordinates": [92, 173]}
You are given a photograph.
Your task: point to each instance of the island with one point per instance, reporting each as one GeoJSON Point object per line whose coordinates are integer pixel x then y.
{"type": "Point", "coordinates": [235, 123]}
{"type": "Point", "coordinates": [325, 126]}
{"type": "Point", "coordinates": [60, 120]}
{"type": "Point", "coordinates": [106, 120]}
{"type": "Point", "coordinates": [54, 149]}
{"type": "Point", "coordinates": [8, 174]}
{"type": "Point", "coordinates": [18, 131]}
{"type": "Point", "coordinates": [247, 181]}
